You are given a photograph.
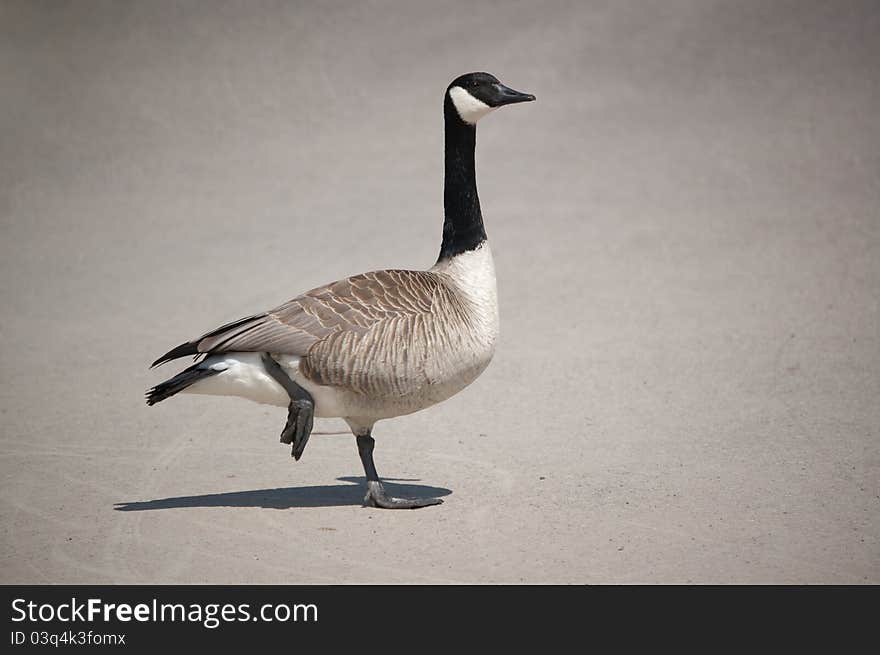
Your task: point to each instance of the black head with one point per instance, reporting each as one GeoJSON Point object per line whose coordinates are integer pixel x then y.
{"type": "Point", "coordinates": [476, 94]}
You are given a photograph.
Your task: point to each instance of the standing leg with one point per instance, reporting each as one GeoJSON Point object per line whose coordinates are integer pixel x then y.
{"type": "Point", "coordinates": [300, 412]}
{"type": "Point", "coordinates": [376, 496]}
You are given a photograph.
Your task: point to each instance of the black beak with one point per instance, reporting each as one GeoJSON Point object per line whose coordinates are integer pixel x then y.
{"type": "Point", "coordinates": [507, 96]}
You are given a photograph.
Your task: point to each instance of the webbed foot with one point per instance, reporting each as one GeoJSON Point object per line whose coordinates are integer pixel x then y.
{"type": "Point", "coordinates": [377, 497]}
{"type": "Point", "coordinates": [300, 420]}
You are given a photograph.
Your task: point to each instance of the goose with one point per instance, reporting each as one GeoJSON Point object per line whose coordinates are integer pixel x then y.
{"type": "Point", "coordinates": [376, 345]}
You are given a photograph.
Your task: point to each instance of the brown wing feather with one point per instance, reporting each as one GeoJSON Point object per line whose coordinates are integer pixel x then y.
{"type": "Point", "coordinates": [402, 352]}
{"type": "Point", "coordinates": [342, 311]}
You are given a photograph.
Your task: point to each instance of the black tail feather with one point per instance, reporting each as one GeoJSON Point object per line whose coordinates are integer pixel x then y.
{"type": "Point", "coordinates": [179, 382]}
{"type": "Point", "coordinates": [184, 349]}
{"type": "Point", "coordinates": [192, 347]}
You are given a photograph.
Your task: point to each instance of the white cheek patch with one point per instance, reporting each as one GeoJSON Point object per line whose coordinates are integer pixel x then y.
{"type": "Point", "coordinates": [468, 107]}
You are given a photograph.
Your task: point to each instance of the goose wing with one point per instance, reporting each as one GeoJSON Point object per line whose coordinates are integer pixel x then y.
{"type": "Point", "coordinates": [342, 312]}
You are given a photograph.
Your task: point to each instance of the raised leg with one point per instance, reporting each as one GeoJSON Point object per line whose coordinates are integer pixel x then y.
{"type": "Point", "coordinates": [376, 495]}
{"type": "Point", "coordinates": [300, 412]}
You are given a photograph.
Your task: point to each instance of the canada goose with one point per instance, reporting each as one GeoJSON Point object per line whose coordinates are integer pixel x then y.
{"type": "Point", "coordinates": [379, 344]}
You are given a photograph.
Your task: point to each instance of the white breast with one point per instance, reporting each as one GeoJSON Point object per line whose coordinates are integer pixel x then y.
{"type": "Point", "coordinates": [472, 274]}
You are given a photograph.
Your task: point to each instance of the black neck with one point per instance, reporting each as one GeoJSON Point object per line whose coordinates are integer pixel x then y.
{"type": "Point", "coordinates": [463, 223]}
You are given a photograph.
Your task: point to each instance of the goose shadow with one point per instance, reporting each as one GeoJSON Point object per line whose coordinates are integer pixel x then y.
{"type": "Point", "coordinates": [336, 495]}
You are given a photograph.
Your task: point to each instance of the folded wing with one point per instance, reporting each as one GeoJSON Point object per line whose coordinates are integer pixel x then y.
{"type": "Point", "coordinates": [349, 308]}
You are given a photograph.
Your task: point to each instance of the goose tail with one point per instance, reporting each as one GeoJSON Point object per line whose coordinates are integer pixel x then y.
{"type": "Point", "coordinates": [179, 382]}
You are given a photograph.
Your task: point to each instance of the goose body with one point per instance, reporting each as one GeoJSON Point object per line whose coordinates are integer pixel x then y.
{"type": "Point", "coordinates": [376, 345]}
{"type": "Point", "coordinates": [387, 343]}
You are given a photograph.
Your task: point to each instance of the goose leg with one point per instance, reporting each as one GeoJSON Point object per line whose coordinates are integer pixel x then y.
{"type": "Point", "coordinates": [376, 495]}
{"type": "Point", "coordinates": [300, 412]}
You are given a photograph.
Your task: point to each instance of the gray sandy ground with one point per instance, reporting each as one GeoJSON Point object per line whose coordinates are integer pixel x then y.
{"type": "Point", "coordinates": [687, 237]}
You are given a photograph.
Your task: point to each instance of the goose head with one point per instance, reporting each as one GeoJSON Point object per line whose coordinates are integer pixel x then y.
{"type": "Point", "coordinates": [476, 94]}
